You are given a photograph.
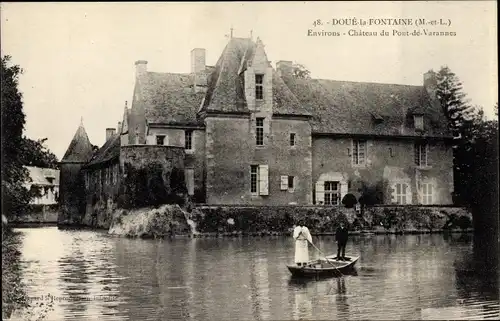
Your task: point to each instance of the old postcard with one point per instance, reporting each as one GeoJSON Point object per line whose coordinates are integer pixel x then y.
{"type": "Point", "coordinates": [250, 160]}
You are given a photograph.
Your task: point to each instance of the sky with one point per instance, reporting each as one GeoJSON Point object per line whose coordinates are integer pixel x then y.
{"type": "Point", "coordinates": [78, 58]}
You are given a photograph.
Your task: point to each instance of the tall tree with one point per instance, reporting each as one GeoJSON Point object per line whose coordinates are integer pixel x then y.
{"type": "Point", "coordinates": [15, 197]}
{"type": "Point", "coordinates": [453, 100]}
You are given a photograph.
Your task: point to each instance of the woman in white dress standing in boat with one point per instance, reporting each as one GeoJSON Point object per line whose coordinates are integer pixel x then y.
{"type": "Point", "coordinates": [301, 236]}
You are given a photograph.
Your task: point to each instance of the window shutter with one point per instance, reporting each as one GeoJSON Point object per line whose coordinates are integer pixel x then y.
{"type": "Point", "coordinates": [408, 194]}
{"type": "Point", "coordinates": [343, 190]}
{"type": "Point", "coordinates": [263, 179]}
{"type": "Point", "coordinates": [320, 192]}
{"type": "Point", "coordinates": [284, 183]}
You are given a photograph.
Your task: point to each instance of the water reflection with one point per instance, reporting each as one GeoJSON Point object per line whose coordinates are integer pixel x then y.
{"type": "Point", "coordinates": [398, 277]}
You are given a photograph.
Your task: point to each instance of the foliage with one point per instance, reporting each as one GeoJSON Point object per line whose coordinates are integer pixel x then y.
{"type": "Point", "coordinates": [15, 197]}
{"type": "Point", "coordinates": [261, 219]}
{"type": "Point", "coordinates": [34, 153]}
{"type": "Point", "coordinates": [475, 149]}
{"type": "Point", "coordinates": [349, 200]}
{"type": "Point", "coordinates": [371, 194]}
{"type": "Point", "coordinates": [17, 151]}
{"type": "Point", "coordinates": [300, 71]}
{"type": "Point", "coordinates": [453, 100]}
{"type": "Point", "coordinates": [151, 186]}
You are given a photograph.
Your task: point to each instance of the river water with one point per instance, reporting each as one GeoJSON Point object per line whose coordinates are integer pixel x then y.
{"type": "Point", "coordinates": [93, 276]}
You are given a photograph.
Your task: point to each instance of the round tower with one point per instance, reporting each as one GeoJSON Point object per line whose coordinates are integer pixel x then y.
{"type": "Point", "coordinates": [72, 184]}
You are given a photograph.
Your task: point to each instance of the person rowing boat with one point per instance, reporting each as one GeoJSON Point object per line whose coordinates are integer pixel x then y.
{"type": "Point", "coordinates": [302, 236]}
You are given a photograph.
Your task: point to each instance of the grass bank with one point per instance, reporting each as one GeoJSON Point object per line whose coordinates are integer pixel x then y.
{"type": "Point", "coordinates": [15, 300]}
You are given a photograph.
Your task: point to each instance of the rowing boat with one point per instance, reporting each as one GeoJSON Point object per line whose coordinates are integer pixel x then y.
{"type": "Point", "coordinates": [323, 267]}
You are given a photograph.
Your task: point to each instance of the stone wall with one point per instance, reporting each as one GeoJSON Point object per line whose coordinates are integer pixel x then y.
{"type": "Point", "coordinates": [194, 159]}
{"type": "Point", "coordinates": [387, 161]}
{"type": "Point", "coordinates": [102, 187]}
{"type": "Point", "coordinates": [229, 219]}
{"type": "Point", "coordinates": [72, 194]}
{"type": "Point", "coordinates": [234, 220]}
{"type": "Point", "coordinates": [231, 150]}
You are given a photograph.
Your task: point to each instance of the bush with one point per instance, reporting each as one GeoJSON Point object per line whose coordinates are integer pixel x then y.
{"type": "Point", "coordinates": [349, 200]}
{"type": "Point", "coordinates": [150, 186]}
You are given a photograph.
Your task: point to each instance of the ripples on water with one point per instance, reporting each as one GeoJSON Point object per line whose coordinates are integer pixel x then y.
{"type": "Point", "coordinates": [94, 276]}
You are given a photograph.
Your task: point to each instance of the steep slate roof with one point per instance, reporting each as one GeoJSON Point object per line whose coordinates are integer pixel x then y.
{"type": "Point", "coordinates": [80, 148]}
{"type": "Point", "coordinates": [226, 86]}
{"type": "Point", "coordinates": [339, 107]}
{"type": "Point", "coordinates": [39, 176]}
{"type": "Point", "coordinates": [170, 98]}
{"type": "Point", "coordinates": [366, 108]}
{"type": "Point", "coordinates": [109, 151]}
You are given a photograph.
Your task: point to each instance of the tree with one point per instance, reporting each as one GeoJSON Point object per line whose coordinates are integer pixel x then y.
{"type": "Point", "coordinates": [453, 100]}
{"type": "Point", "coordinates": [34, 153]}
{"type": "Point", "coordinates": [15, 197]}
{"type": "Point", "coordinates": [300, 71]}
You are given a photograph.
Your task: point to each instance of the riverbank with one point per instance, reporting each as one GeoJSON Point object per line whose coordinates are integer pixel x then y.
{"type": "Point", "coordinates": [15, 300]}
{"type": "Point", "coordinates": [37, 214]}
{"type": "Point", "coordinates": [13, 294]}
{"type": "Point", "coordinates": [233, 221]}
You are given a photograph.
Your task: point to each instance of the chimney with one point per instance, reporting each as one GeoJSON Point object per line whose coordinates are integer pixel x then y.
{"type": "Point", "coordinates": [197, 60]}
{"type": "Point", "coordinates": [109, 133]}
{"type": "Point", "coordinates": [119, 127]}
{"type": "Point", "coordinates": [141, 67]}
{"type": "Point", "coordinates": [284, 67]}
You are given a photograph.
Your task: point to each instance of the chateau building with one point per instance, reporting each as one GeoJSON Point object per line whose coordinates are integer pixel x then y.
{"type": "Point", "coordinates": [247, 133]}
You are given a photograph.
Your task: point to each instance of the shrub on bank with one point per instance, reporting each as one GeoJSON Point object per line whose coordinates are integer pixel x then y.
{"type": "Point", "coordinates": [278, 219]}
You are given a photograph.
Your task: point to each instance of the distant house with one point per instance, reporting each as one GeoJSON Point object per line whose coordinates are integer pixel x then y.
{"type": "Point", "coordinates": [253, 134]}
{"type": "Point", "coordinates": [46, 180]}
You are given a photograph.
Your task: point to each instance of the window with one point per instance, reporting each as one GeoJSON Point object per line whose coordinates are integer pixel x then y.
{"type": "Point", "coordinates": [291, 181]}
{"type": "Point", "coordinates": [188, 140]}
{"type": "Point", "coordinates": [254, 172]}
{"type": "Point", "coordinates": [421, 154]}
{"type": "Point", "coordinates": [426, 192]}
{"type": "Point", "coordinates": [419, 122]}
{"type": "Point", "coordinates": [332, 193]}
{"type": "Point", "coordinates": [259, 179]}
{"type": "Point", "coordinates": [160, 140]}
{"type": "Point", "coordinates": [259, 86]}
{"type": "Point", "coordinates": [292, 139]}
{"type": "Point", "coordinates": [358, 152]}
{"type": "Point", "coordinates": [259, 131]}
{"type": "Point", "coordinates": [400, 193]}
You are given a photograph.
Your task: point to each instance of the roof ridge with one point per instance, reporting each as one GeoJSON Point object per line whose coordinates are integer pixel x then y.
{"type": "Point", "coordinates": [366, 82]}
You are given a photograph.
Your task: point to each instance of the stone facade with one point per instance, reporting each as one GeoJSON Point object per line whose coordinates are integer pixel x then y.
{"type": "Point", "coordinates": [262, 136]}
{"type": "Point", "coordinates": [389, 161]}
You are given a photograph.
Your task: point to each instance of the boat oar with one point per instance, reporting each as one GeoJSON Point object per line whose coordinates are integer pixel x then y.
{"type": "Point", "coordinates": [321, 252]}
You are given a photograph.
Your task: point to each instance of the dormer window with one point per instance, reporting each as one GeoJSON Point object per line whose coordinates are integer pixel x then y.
{"type": "Point", "coordinates": [259, 86]}
{"type": "Point", "coordinates": [419, 122]}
